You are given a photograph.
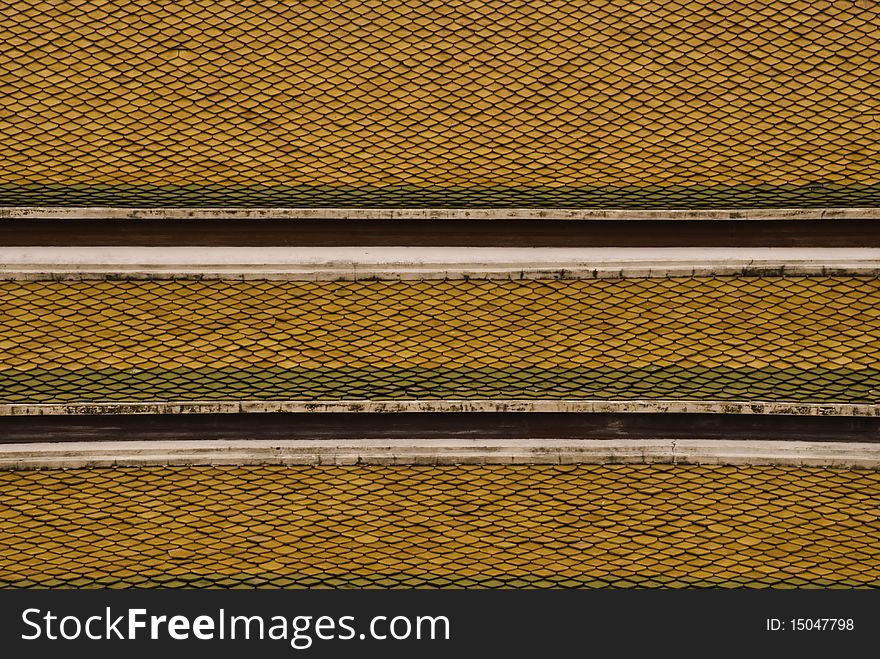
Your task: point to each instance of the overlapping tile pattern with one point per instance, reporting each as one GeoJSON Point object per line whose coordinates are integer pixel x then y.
{"type": "Point", "coordinates": [435, 527]}
{"type": "Point", "coordinates": [638, 104]}
{"type": "Point", "coordinates": [729, 338]}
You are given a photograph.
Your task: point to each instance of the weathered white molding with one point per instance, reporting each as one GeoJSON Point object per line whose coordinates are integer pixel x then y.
{"type": "Point", "coordinates": [69, 455]}
{"type": "Point", "coordinates": [120, 213]}
{"type": "Point", "coordinates": [403, 406]}
{"type": "Point", "coordinates": [413, 263]}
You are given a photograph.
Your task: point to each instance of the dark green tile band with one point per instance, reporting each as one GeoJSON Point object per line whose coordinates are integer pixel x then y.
{"type": "Point", "coordinates": [816, 195]}
{"type": "Point", "coordinates": [791, 384]}
{"type": "Point", "coordinates": [405, 580]}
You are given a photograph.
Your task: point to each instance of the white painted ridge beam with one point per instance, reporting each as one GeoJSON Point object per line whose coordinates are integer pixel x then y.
{"type": "Point", "coordinates": [169, 213]}
{"type": "Point", "coordinates": [396, 263]}
{"type": "Point", "coordinates": [69, 455]}
{"type": "Point", "coordinates": [447, 405]}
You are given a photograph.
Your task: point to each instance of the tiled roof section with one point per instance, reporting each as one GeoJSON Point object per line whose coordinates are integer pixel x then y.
{"type": "Point", "coordinates": [806, 339]}
{"type": "Point", "coordinates": [455, 103]}
{"type": "Point", "coordinates": [587, 526]}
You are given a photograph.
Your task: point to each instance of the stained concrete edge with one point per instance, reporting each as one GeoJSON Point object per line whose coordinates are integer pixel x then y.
{"type": "Point", "coordinates": [168, 213]}
{"type": "Point", "coordinates": [47, 263]}
{"type": "Point", "coordinates": [446, 405]}
{"type": "Point", "coordinates": [437, 452]}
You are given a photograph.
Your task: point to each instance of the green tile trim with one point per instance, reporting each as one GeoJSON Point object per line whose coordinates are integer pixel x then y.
{"type": "Point", "coordinates": [276, 383]}
{"type": "Point", "coordinates": [420, 580]}
{"type": "Point", "coordinates": [815, 195]}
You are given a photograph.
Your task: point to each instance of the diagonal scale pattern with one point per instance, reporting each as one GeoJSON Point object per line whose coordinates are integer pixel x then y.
{"type": "Point", "coordinates": [728, 338]}
{"type": "Point", "coordinates": [435, 527]}
{"type": "Point", "coordinates": [459, 103]}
